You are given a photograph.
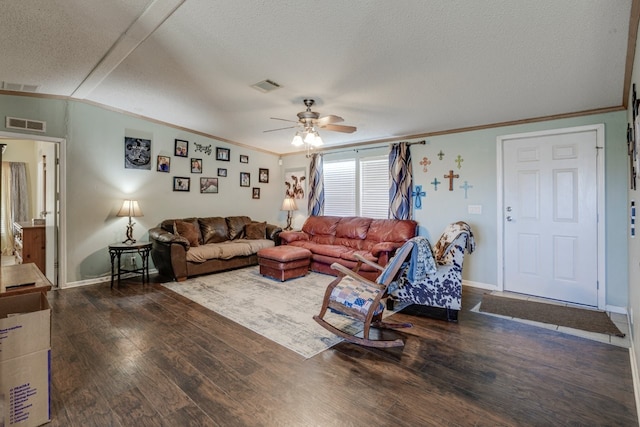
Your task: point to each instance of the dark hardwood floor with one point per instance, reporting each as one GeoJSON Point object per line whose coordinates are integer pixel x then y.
{"type": "Point", "coordinates": [145, 356]}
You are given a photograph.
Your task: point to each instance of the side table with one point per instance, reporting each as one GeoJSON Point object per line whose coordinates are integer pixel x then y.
{"type": "Point", "coordinates": [117, 249]}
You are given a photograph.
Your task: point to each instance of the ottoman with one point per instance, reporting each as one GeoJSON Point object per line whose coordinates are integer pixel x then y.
{"type": "Point", "coordinates": [284, 262]}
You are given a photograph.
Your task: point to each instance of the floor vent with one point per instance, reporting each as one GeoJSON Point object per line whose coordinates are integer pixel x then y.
{"type": "Point", "coordinates": [26, 124]}
{"type": "Point", "coordinates": [19, 87]}
{"type": "Point", "coordinates": [266, 86]}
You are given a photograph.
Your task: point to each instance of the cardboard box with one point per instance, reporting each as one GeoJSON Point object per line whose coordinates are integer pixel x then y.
{"type": "Point", "coordinates": [25, 325]}
{"type": "Point", "coordinates": [25, 360]}
{"type": "Point", "coordinates": [25, 390]}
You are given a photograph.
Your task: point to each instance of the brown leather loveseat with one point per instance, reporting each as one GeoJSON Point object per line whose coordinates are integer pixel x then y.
{"type": "Point", "coordinates": [188, 247]}
{"type": "Point", "coordinates": [337, 239]}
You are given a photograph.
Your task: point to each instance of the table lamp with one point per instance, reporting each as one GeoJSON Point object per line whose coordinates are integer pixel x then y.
{"type": "Point", "coordinates": [289, 205]}
{"type": "Point", "coordinates": [131, 209]}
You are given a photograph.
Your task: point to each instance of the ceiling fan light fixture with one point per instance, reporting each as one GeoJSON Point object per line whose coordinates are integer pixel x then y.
{"type": "Point", "coordinates": [297, 140]}
{"type": "Point", "coordinates": [317, 141]}
{"type": "Point", "coordinates": [310, 138]}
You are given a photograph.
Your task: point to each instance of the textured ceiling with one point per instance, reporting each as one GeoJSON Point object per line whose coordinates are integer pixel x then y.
{"type": "Point", "coordinates": [391, 68]}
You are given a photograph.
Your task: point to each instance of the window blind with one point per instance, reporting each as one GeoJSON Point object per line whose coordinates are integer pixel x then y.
{"type": "Point", "coordinates": [374, 187]}
{"type": "Point", "coordinates": [340, 187]}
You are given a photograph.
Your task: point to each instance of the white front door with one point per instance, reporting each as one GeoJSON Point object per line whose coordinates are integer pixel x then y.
{"type": "Point", "coordinates": [550, 214]}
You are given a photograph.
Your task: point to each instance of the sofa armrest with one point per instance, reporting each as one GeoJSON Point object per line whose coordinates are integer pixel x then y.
{"type": "Point", "coordinates": [162, 236]}
{"type": "Point", "coordinates": [293, 236]}
{"type": "Point", "coordinates": [273, 233]}
{"type": "Point", "coordinates": [388, 247]}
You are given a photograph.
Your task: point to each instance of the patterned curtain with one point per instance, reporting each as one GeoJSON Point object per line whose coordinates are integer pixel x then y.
{"type": "Point", "coordinates": [401, 177]}
{"type": "Point", "coordinates": [316, 186]}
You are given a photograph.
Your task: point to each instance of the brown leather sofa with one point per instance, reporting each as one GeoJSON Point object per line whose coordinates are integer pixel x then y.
{"type": "Point", "coordinates": [188, 247]}
{"type": "Point", "coordinates": [337, 239]}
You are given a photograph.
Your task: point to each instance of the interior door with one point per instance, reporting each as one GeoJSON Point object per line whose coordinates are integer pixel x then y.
{"type": "Point", "coordinates": [550, 217]}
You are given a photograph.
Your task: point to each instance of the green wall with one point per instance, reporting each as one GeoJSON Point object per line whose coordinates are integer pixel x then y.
{"type": "Point", "coordinates": [97, 183]}
{"type": "Point", "coordinates": [479, 151]}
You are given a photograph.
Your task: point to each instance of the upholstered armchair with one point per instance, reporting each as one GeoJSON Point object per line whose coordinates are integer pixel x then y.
{"type": "Point", "coordinates": [434, 277]}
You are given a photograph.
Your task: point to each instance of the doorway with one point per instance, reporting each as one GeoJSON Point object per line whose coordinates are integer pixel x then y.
{"type": "Point", "coordinates": [47, 186]}
{"type": "Point", "coordinates": [550, 214]}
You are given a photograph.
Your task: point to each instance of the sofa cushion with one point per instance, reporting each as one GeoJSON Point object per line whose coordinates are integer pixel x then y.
{"type": "Point", "coordinates": [188, 230]}
{"type": "Point", "coordinates": [321, 228]}
{"type": "Point", "coordinates": [255, 230]}
{"type": "Point", "coordinates": [236, 226]}
{"type": "Point", "coordinates": [391, 230]}
{"type": "Point", "coordinates": [353, 227]}
{"type": "Point", "coordinates": [213, 229]}
{"type": "Point", "coordinates": [227, 250]}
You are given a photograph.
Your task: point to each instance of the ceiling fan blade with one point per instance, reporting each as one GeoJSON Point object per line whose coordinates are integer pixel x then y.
{"type": "Point", "coordinates": [340, 128]}
{"type": "Point", "coordinates": [273, 130]}
{"type": "Point", "coordinates": [328, 120]}
{"type": "Point", "coordinates": [284, 120]}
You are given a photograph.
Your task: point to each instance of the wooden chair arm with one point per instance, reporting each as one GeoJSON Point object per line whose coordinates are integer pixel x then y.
{"type": "Point", "coordinates": [346, 272]}
{"type": "Point", "coordinates": [368, 262]}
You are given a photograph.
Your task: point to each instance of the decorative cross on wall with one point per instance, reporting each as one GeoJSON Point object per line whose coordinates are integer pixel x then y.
{"type": "Point", "coordinates": [435, 183]}
{"type": "Point", "coordinates": [418, 194]}
{"type": "Point", "coordinates": [440, 155]}
{"type": "Point", "coordinates": [466, 187]}
{"type": "Point", "coordinates": [450, 177]}
{"type": "Point", "coordinates": [425, 162]}
{"type": "Point", "coordinates": [459, 160]}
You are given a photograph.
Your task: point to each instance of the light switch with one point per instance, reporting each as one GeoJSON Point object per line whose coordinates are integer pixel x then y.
{"type": "Point", "coordinates": [475, 209]}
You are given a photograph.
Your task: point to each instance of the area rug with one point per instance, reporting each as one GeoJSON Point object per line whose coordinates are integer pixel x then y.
{"type": "Point", "coordinates": [571, 317]}
{"type": "Point", "coordinates": [280, 311]}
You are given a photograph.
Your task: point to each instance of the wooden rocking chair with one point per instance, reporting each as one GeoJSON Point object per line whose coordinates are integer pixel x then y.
{"type": "Point", "coordinates": [361, 299]}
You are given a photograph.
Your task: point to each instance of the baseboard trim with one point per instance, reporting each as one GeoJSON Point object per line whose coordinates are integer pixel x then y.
{"type": "Point", "coordinates": [479, 285]}
{"type": "Point", "coordinates": [100, 279]}
{"type": "Point", "coordinates": [634, 370]}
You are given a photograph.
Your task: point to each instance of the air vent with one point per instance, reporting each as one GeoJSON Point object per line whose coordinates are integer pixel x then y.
{"type": "Point", "coordinates": [19, 87]}
{"type": "Point", "coordinates": [266, 86]}
{"type": "Point", "coordinates": [25, 124]}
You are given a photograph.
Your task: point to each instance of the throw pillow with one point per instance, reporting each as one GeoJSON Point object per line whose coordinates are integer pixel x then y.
{"type": "Point", "coordinates": [256, 230]}
{"type": "Point", "coordinates": [188, 231]}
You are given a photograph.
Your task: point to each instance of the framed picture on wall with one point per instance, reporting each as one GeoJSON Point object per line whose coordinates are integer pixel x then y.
{"type": "Point", "coordinates": [295, 183]}
{"type": "Point", "coordinates": [244, 159]}
{"type": "Point", "coordinates": [222, 154]}
{"type": "Point", "coordinates": [181, 183]}
{"type": "Point", "coordinates": [196, 165]}
{"type": "Point", "coordinates": [181, 148]}
{"type": "Point", "coordinates": [208, 185]}
{"type": "Point", "coordinates": [222, 172]}
{"type": "Point", "coordinates": [163, 164]}
{"type": "Point", "coordinates": [137, 153]}
{"type": "Point", "coordinates": [256, 193]}
{"type": "Point", "coordinates": [245, 179]}
{"type": "Point", "coordinates": [263, 175]}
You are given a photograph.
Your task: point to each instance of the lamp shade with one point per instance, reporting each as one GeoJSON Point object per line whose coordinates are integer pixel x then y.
{"type": "Point", "coordinates": [130, 208]}
{"type": "Point", "coordinates": [289, 204]}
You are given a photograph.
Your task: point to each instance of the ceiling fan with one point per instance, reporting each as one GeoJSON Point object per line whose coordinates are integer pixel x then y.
{"type": "Point", "coordinates": [310, 121]}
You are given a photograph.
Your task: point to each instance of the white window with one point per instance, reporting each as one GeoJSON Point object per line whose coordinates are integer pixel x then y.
{"type": "Point", "coordinates": [357, 187]}
{"type": "Point", "coordinates": [340, 187]}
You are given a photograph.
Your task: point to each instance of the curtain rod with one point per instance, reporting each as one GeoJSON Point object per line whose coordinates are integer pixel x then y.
{"type": "Point", "coordinates": [423, 142]}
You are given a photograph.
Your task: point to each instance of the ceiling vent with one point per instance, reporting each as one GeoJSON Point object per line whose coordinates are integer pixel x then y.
{"type": "Point", "coordinates": [19, 87]}
{"type": "Point", "coordinates": [25, 124]}
{"type": "Point", "coordinates": [266, 86]}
